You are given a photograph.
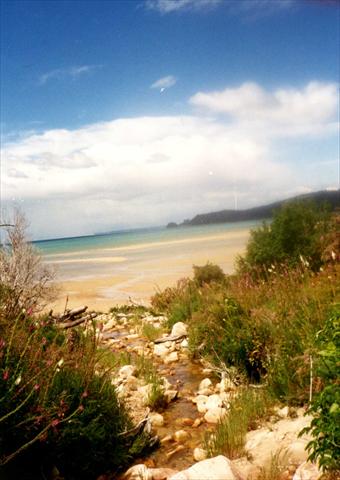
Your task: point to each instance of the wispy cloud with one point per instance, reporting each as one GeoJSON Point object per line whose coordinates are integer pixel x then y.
{"type": "Point", "coordinates": [164, 82]}
{"type": "Point", "coordinates": [168, 6]}
{"type": "Point", "coordinates": [72, 72]}
{"type": "Point", "coordinates": [247, 8]}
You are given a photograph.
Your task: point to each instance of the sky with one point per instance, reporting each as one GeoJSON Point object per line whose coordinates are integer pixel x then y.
{"type": "Point", "coordinates": [122, 114]}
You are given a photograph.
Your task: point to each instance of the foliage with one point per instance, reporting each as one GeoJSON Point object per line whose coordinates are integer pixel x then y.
{"type": "Point", "coordinates": [26, 280]}
{"type": "Point", "coordinates": [208, 273]}
{"type": "Point", "coordinates": [325, 407]}
{"type": "Point", "coordinates": [245, 410]}
{"type": "Point", "coordinates": [297, 233]}
{"type": "Point", "coordinates": [56, 400]}
{"type": "Point", "coordinates": [146, 369]}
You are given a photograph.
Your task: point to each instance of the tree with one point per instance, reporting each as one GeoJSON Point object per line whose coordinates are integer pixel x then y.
{"type": "Point", "coordinates": [24, 279]}
{"type": "Point", "coordinates": [296, 234]}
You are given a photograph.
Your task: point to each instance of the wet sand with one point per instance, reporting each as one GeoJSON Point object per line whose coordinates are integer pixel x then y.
{"type": "Point", "coordinates": [111, 276]}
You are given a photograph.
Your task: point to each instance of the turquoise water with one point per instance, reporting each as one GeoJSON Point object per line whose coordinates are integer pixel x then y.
{"type": "Point", "coordinates": [133, 237]}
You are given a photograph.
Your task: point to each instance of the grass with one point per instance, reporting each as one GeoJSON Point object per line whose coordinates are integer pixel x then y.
{"type": "Point", "coordinates": [146, 370]}
{"type": "Point", "coordinates": [245, 411]}
{"type": "Point", "coordinates": [276, 468]}
{"type": "Point", "coordinates": [151, 332]}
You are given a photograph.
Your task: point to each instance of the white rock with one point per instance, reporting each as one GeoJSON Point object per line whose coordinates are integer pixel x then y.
{"type": "Point", "coordinates": [109, 325]}
{"type": "Point", "coordinates": [126, 371]}
{"type": "Point", "coordinates": [214, 401]}
{"type": "Point", "coordinates": [170, 395]}
{"type": "Point", "coordinates": [205, 383]}
{"type": "Point", "coordinates": [200, 454]}
{"type": "Point", "coordinates": [181, 436]}
{"type": "Point", "coordinates": [217, 468]}
{"type": "Point", "coordinates": [179, 328]}
{"type": "Point", "coordinates": [214, 415]}
{"type": "Point", "coordinates": [160, 350]}
{"type": "Point", "coordinates": [132, 336]}
{"type": "Point", "coordinates": [145, 392]}
{"type": "Point", "coordinates": [307, 471]}
{"type": "Point", "coordinates": [225, 385]}
{"type": "Point", "coordinates": [138, 472]}
{"type": "Point", "coordinates": [184, 343]}
{"type": "Point", "coordinates": [131, 383]}
{"type": "Point", "coordinates": [283, 412]}
{"type": "Point", "coordinates": [156, 419]}
{"type": "Point", "coordinates": [172, 357]}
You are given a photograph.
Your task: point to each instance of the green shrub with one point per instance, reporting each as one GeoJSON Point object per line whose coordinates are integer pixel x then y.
{"type": "Point", "coordinates": [208, 273]}
{"type": "Point", "coordinates": [296, 234]}
{"type": "Point", "coordinates": [56, 400]}
{"type": "Point", "coordinates": [325, 407]}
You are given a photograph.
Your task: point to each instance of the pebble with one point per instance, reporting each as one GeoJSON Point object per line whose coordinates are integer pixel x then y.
{"type": "Point", "coordinates": [181, 436]}
{"type": "Point", "coordinates": [199, 454]}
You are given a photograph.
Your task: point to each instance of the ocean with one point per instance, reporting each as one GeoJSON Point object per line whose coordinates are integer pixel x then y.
{"type": "Point", "coordinates": [136, 251]}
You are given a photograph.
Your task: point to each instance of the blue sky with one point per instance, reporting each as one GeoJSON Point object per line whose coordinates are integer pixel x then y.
{"type": "Point", "coordinates": [139, 112]}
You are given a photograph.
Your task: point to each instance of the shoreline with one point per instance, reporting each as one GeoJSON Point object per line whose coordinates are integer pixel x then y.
{"type": "Point", "coordinates": [141, 269]}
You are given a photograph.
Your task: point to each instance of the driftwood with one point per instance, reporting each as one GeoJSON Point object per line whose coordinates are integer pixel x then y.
{"type": "Point", "coordinates": [72, 318]}
{"type": "Point", "coordinates": [170, 338]}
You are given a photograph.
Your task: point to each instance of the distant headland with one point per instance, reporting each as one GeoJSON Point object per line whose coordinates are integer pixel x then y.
{"type": "Point", "coordinates": [331, 197]}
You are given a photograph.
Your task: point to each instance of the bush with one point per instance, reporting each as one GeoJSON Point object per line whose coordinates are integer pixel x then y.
{"type": "Point", "coordinates": [55, 401]}
{"type": "Point", "coordinates": [296, 234]}
{"type": "Point", "coordinates": [208, 273]}
{"type": "Point", "coordinates": [26, 280]}
{"type": "Point", "coordinates": [325, 407]}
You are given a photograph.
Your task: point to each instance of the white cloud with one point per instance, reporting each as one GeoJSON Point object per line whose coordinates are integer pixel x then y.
{"type": "Point", "coordinates": [150, 170]}
{"type": "Point", "coordinates": [285, 111]}
{"type": "Point", "coordinates": [71, 72]}
{"type": "Point", "coordinates": [164, 82]}
{"type": "Point", "coordinates": [168, 6]}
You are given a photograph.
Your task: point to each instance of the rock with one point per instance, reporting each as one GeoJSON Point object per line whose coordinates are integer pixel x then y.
{"type": "Point", "coordinates": [170, 395]}
{"type": "Point", "coordinates": [109, 325]}
{"type": "Point", "coordinates": [166, 439]}
{"type": "Point", "coordinates": [217, 468]}
{"type": "Point", "coordinates": [126, 371]}
{"type": "Point", "coordinates": [131, 383]}
{"type": "Point", "coordinates": [225, 385]}
{"type": "Point", "coordinates": [307, 471]}
{"type": "Point", "coordinates": [170, 454]}
{"type": "Point", "coordinates": [178, 329]}
{"type": "Point", "coordinates": [184, 343]}
{"type": "Point", "coordinates": [283, 412]}
{"type": "Point", "coordinates": [186, 422]}
{"type": "Point", "coordinates": [145, 392]}
{"type": "Point", "coordinates": [205, 383]}
{"type": "Point", "coordinates": [213, 401]}
{"type": "Point", "coordinates": [197, 422]}
{"type": "Point", "coordinates": [172, 357]}
{"type": "Point", "coordinates": [160, 350]}
{"type": "Point", "coordinates": [138, 472]}
{"type": "Point", "coordinates": [156, 419]}
{"type": "Point", "coordinates": [297, 452]}
{"type": "Point", "coordinates": [199, 454]}
{"type": "Point", "coordinates": [214, 415]}
{"type": "Point", "coordinates": [181, 436]}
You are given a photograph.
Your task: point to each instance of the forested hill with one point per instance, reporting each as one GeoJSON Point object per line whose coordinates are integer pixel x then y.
{"type": "Point", "coordinates": [262, 212]}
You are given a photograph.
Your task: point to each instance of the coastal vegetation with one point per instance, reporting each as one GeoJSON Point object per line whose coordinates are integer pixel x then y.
{"type": "Point", "coordinates": [272, 329]}
{"type": "Point", "coordinates": [264, 324]}
{"type": "Point", "coordinates": [59, 410]}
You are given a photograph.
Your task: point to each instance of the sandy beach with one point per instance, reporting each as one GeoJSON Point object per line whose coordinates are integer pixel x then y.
{"type": "Point", "coordinates": [106, 277]}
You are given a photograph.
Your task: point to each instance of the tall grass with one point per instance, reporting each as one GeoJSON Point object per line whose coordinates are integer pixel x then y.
{"type": "Point", "coordinates": [245, 410]}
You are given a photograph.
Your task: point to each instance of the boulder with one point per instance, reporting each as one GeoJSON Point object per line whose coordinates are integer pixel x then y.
{"type": "Point", "coordinates": [205, 383]}
{"type": "Point", "coordinates": [199, 454]}
{"type": "Point", "coordinates": [126, 371]}
{"type": "Point", "coordinates": [181, 436]}
{"type": "Point", "coordinates": [160, 350]}
{"type": "Point", "coordinates": [307, 471]}
{"type": "Point", "coordinates": [138, 472]}
{"type": "Point", "coordinates": [213, 401]}
{"type": "Point", "coordinates": [179, 329]}
{"type": "Point", "coordinates": [217, 468]}
{"type": "Point", "coordinates": [156, 419]}
{"type": "Point", "coordinates": [184, 343]}
{"type": "Point", "coordinates": [131, 383]}
{"type": "Point", "coordinates": [214, 415]}
{"type": "Point", "coordinates": [170, 395]}
{"type": "Point", "coordinates": [225, 385]}
{"type": "Point", "coordinates": [172, 357]}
